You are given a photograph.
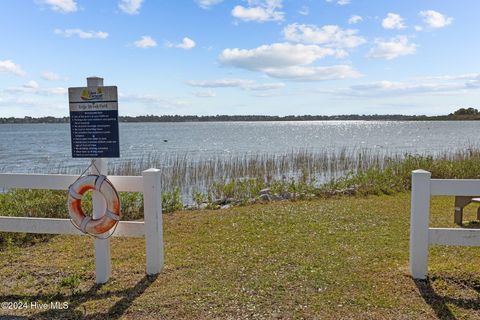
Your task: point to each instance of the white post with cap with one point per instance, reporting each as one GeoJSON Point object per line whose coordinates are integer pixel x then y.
{"type": "Point", "coordinates": [103, 261]}
{"type": "Point", "coordinates": [419, 218]}
{"type": "Point", "coordinates": [153, 220]}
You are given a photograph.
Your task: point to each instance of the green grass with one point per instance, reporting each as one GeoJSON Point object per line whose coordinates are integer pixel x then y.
{"type": "Point", "coordinates": [336, 258]}
{"type": "Point", "coordinates": [391, 177]}
{"type": "Point", "coordinates": [52, 204]}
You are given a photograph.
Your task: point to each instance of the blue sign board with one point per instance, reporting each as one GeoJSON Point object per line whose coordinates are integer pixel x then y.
{"type": "Point", "coordinates": [94, 122]}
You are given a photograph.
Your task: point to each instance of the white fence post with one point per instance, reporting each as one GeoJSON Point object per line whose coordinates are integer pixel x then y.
{"type": "Point", "coordinates": [152, 203]}
{"type": "Point", "coordinates": [103, 261]}
{"type": "Point", "coordinates": [419, 219]}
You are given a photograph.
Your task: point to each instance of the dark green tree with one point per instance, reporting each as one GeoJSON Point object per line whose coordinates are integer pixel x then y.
{"type": "Point", "coordinates": [466, 112]}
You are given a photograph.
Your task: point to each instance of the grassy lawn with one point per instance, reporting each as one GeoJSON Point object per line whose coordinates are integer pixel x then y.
{"type": "Point", "coordinates": [340, 258]}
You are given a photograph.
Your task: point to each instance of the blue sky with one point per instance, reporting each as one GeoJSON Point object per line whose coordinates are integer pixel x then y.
{"type": "Point", "coordinates": [272, 57]}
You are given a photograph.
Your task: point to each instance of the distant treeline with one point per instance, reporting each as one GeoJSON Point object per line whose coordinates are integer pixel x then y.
{"type": "Point", "coordinates": [460, 114]}
{"type": "Point", "coordinates": [176, 118]}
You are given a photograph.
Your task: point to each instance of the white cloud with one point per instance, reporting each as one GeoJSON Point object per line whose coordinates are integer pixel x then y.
{"type": "Point", "coordinates": [14, 106]}
{"type": "Point", "coordinates": [287, 61]}
{"type": "Point", "coordinates": [355, 19]}
{"type": "Point", "coordinates": [186, 44]}
{"type": "Point", "coordinates": [304, 11]}
{"type": "Point", "coordinates": [266, 86]}
{"type": "Point", "coordinates": [32, 87]}
{"type": "Point", "coordinates": [221, 83]}
{"type": "Point", "coordinates": [431, 85]}
{"type": "Point", "coordinates": [302, 73]}
{"type": "Point", "coordinates": [153, 100]}
{"type": "Point", "coordinates": [236, 83]}
{"type": "Point", "coordinates": [277, 55]}
{"type": "Point", "coordinates": [340, 2]}
{"type": "Point", "coordinates": [393, 21]}
{"type": "Point", "coordinates": [32, 84]}
{"type": "Point", "coordinates": [330, 35]}
{"type": "Point", "coordinates": [393, 48]}
{"type": "Point", "coordinates": [206, 4]}
{"type": "Point", "coordinates": [130, 6]}
{"type": "Point", "coordinates": [64, 6]}
{"type": "Point", "coordinates": [205, 94]}
{"type": "Point", "coordinates": [52, 76]}
{"type": "Point", "coordinates": [271, 94]}
{"type": "Point", "coordinates": [8, 66]}
{"type": "Point", "coordinates": [259, 11]}
{"type": "Point", "coordinates": [418, 28]}
{"type": "Point", "coordinates": [81, 33]}
{"type": "Point", "coordinates": [435, 19]}
{"type": "Point", "coordinates": [400, 88]}
{"type": "Point", "coordinates": [57, 91]}
{"type": "Point", "coordinates": [465, 76]}
{"type": "Point", "coordinates": [145, 42]}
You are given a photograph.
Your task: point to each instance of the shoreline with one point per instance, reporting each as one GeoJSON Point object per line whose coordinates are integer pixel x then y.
{"type": "Point", "coordinates": [268, 121]}
{"type": "Point", "coordinates": [255, 118]}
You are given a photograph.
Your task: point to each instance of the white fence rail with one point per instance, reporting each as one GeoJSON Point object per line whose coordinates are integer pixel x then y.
{"type": "Point", "coordinates": [421, 236]}
{"type": "Point", "coordinates": [62, 182]}
{"type": "Point", "coordinates": [151, 229]}
{"type": "Point", "coordinates": [64, 226]}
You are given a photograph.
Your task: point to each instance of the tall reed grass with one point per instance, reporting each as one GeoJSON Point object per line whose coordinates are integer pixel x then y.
{"type": "Point", "coordinates": [181, 170]}
{"type": "Point", "coordinates": [192, 173]}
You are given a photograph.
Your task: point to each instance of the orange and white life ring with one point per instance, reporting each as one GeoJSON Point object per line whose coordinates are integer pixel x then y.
{"type": "Point", "coordinates": [85, 223]}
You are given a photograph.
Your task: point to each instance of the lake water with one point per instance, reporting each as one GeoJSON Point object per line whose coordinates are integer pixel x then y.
{"type": "Point", "coordinates": [42, 147]}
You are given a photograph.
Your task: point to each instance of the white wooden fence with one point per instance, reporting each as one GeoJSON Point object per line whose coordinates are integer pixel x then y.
{"type": "Point", "coordinates": [151, 228]}
{"type": "Point", "coordinates": [421, 236]}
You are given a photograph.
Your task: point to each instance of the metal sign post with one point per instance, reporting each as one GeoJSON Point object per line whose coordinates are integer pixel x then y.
{"type": "Point", "coordinates": [94, 131]}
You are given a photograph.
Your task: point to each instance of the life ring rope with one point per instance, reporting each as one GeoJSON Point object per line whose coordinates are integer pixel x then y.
{"type": "Point", "coordinates": [83, 225]}
{"type": "Point", "coordinates": [99, 181]}
{"type": "Point", "coordinates": [74, 195]}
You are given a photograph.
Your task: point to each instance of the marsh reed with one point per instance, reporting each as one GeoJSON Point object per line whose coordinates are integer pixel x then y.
{"type": "Point", "coordinates": [192, 173]}
{"type": "Point", "coordinates": [187, 173]}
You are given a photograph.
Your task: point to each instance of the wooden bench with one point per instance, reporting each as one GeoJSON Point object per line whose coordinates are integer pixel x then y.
{"type": "Point", "coordinates": [460, 203]}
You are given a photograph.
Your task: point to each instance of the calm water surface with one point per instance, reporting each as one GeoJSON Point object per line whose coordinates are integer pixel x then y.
{"type": "Point", "coordinates": [44, 147]}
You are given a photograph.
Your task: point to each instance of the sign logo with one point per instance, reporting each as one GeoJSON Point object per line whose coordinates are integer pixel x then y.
{"type": "Point", "coordinates": [92, 94]}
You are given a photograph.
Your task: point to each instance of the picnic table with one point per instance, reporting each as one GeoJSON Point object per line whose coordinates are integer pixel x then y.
{"type": "Point", "coordinates": [460, 203]}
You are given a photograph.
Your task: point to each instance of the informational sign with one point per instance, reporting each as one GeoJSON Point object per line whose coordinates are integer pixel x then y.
{"type": "Point", "coordinates": [94, 122]}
